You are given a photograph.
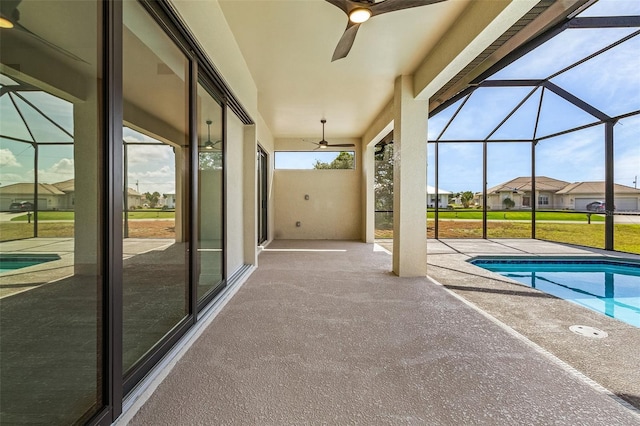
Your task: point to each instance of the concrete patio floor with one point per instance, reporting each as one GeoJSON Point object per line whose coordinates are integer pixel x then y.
{"type": "Point", "coordinates": [323, 333]}
{"type": "Point", "coordinates": [612, 362]}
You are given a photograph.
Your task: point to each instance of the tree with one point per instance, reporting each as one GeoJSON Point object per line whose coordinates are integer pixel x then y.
{"type": "Point", "coordinates": [210, 160]}
{"type": "Point", "coordinates": [344, 160]}
{"type": "Point", "coordinates": [384, 179]}
{"type": "Point", "coordinates": [152, 198]}
{"type": "Point", "coordinates": [508, 203]}
{"type": "Point", "coordinates": [466, 198]}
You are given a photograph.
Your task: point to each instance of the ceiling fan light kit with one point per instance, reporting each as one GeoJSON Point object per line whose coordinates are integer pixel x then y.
{"type": "Point", "coordinates": [5, 23]}
{"type": "Point", "coordinates": [358, 16]}
{"type": "Point", "coordinates": [359, 11]}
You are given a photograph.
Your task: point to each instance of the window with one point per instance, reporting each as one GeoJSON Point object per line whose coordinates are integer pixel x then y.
{"type": "Point", "coordinates": [543, 200]}
{"type": "Point", "coordinates": [315, 160]}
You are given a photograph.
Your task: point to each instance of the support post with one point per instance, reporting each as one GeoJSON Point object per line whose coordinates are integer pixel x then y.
{"type": "Point", "coordinates": [409, 181]}
{"type": "Point", "coordinates": [608, 186]}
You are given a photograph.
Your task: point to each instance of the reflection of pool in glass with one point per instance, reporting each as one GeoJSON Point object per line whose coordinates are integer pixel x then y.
{"type": "Point", "coordinates": [608, 286]}
{"type": "Point", "coordinates": [11, 262]}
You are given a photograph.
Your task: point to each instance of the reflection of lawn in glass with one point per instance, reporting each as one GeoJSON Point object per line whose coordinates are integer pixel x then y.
{"type": "Point", "coordinates": [137, 214]}
{"type": "Point", "coordinates": [137, 229]}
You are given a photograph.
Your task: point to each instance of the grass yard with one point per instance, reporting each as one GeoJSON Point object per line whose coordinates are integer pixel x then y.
{"type": "Point", "coordinates": [46, 215]}
{"type": "Point", "coordinates": [626, 236]}
{"type": "Point", "coordinates": [58, 215]}
{"type": "Point", "coordinates": [137, 229]}
{"type": "Point", "coordinates": [514, 215]}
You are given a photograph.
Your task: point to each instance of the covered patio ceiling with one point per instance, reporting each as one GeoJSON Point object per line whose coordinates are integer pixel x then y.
{"type": "Point", "coordinates": [288, 46]}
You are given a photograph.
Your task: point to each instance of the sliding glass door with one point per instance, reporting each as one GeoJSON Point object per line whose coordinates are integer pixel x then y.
{"type": "Point", "coordinates": [210, 221]}
{"type": "Point", "coordinates": [155, 286]}
{"type": "Point", "coordinates": [51, 243]}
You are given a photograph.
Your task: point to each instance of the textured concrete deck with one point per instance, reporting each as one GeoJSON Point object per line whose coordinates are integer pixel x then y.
{"type": "Point", "coordinates": [322, 333]}
{"type": "Point", "coordinates": [613, 362]}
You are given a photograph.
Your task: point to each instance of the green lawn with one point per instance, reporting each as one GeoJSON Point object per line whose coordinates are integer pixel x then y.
{"type": "Point", "coordinates": [626, 236]}
{"type": "Point", "coordinates": [47, 215]}
{"type": "Point", "coordinates": [152, 214]}
{"type": "Point", "coordinates": [58, 215]}
{"type": "Point", "coordinates": [515, 215]}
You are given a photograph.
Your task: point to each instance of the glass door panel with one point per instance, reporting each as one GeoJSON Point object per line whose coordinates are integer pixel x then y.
{"type": "Point", "coordinates": [156, 190]}
{"type": "Point", "coordinates": [51, 287]}
{"type": "Point", "coordinates": [210, 225]}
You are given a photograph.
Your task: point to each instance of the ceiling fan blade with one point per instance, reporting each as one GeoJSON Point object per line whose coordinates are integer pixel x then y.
{"type": "Point", "coordinates": [341, 4]}
{"type": "Point", "coordinates": [344, 145]}
{"type": "Point", "coordinates": [346, 41]}
{"type": "Point", "coordinates": [393, 5]}
{"type": "Point", "coordinates": [46, 42]}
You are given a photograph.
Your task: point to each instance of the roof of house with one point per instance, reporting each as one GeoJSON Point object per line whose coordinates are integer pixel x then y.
{"type": "Point", "coordinates": [578, 188]}
{"type": "Point", "coordinates": [431, 190]}
{"type": "Point", "coordinates": [523, 183]}
{"type": "Point", "coordinates": [132, 192]}
{"type": "Point", "coordinates": [66, 185]}
{"type": "Point", "coordinates": [26, 189]}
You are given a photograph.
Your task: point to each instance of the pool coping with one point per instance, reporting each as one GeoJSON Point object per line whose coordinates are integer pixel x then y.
{"type": "Point", "coordinates": [575, 260]}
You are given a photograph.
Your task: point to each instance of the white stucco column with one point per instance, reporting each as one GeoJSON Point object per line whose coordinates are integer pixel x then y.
{"type": "Point", "coordinates": [409, 181]}
{"type": "Point", "coordinates": [250, 196]}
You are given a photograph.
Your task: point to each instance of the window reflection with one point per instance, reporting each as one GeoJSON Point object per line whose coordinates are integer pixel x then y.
{"type": "Point", "coordinates": [50, 232]}
{"type": "Point", "coordinates": [156, 158]}
{"type": "Point", "coordinates": [210, 180]}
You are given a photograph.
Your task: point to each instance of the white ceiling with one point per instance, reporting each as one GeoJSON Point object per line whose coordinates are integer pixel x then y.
{"type": "Point", "coordinates": [288, 45]}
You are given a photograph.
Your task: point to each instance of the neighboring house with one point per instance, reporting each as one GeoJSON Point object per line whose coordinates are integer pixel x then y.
{"type": "Point", "coordinates": [577, 195]}
{"type": "Point", "coordinates": [519, 190]}
{"type": "Point", "coordinates": [169, 200]}
{"type": "Point", "coordinates": [52, 196]}
{"type": "Point", "coordinates": [442, 197]}
{"type": "Point", "coordinates": [134, 198]}
{"type": "Point", "coordinates": [66, 201]}
{"type": "Point", "coordinates": [49, 196]}
{"type": "Point", "coordinates": [557, 194]}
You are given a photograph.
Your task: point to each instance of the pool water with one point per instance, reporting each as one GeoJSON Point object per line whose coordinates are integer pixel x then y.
{"type": "Point", "coordinates": [611, 287]}
{"type": "Point", "coordinates": [11, 262]}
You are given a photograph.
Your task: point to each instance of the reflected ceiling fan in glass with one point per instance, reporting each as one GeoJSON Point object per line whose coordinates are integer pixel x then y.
{"type": "Point", "coordinates": [12, 28]}
{"type": "Point", "coordinates": [209, 145]}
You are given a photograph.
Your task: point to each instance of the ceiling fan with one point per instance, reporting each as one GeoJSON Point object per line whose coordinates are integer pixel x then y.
{"type": "Point", "coordinates": [324, 144]}
{"type": "Point", "coordinates": [359, 11]}
{"type": "Point", "coordinates": [9, 17]}
{"type": "Point", "coordinates": [209, 144]}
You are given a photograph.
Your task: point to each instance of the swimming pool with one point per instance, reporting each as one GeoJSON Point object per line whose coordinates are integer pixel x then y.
{"type": "Point", "coordinates": [13, 261]}
{"type": "Point", "coordinates": [605, 285]}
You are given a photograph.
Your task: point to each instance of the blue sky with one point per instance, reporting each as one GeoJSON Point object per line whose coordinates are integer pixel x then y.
{"type": "Point", "coordinates": [303, 159]}
{"type": "Point", "coordinates": [610, 82]}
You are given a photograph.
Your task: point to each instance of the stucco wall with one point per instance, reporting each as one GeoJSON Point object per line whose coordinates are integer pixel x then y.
{"type": "Point", "coordinates": [234, 192]}
{"type": "Point", "coordinates": [333, 209]}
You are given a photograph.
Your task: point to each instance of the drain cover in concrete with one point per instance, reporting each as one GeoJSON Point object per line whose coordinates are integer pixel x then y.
{"type": "Point", "coordinates": [585, 330]}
